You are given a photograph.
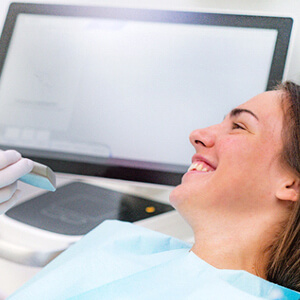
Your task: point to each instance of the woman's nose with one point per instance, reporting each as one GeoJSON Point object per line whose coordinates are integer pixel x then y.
{"type": "Point", "coordinates": [203, 137]}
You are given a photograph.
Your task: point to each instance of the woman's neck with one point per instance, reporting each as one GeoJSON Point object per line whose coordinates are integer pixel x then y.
{"type": "Point", "coordinates": [233, 247]}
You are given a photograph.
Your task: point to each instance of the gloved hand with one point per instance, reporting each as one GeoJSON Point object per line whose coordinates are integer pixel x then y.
{"type": "Point", "coordinates": [12, 167]}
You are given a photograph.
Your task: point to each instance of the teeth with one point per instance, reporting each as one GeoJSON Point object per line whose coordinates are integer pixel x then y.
{"type": "Point", "coordinates": [198, 167]}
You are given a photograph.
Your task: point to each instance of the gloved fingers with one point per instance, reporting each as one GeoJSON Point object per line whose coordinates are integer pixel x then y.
{"type": "Point", "coordinates": [9, 203]}
{"type": "Point", "coordinates": [13, 172]}
{"type": "Point", "coordinates": [7, 192]}
{"type": "Point", "coordinates": [8, 157]}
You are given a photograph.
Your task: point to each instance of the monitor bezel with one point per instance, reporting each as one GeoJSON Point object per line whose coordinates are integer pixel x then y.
{"type": "Point", "coordinates": [132, 170]}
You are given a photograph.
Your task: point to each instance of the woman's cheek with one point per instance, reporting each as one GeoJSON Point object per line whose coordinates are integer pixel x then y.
{"type": "Point", "coordinates": [238, 148]}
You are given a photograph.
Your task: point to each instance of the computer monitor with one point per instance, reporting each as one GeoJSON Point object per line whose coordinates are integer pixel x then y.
{"type": "Point", "coordinates": [115, 92]}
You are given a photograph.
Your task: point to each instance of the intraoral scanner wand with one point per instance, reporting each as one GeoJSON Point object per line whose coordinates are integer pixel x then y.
{"type": "Point", "coordinates": [41, 176]}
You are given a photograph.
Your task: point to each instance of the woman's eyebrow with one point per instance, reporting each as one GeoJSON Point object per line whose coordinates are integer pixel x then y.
{"type": "Point", "coordinates": [237, 111]}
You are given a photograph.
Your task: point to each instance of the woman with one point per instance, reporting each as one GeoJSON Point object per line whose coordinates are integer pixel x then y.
{"type": "Point", "coordinates": [241, 198]}
{"type": "Point", "coordinates": [246, 205]}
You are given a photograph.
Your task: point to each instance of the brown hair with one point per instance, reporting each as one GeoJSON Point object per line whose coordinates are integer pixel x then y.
{"type": "Point", "coordinates": [284, 263]}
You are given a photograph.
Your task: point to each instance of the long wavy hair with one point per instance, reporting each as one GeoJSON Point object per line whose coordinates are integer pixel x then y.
{"type": "Point", "coordinates": [284, 253]}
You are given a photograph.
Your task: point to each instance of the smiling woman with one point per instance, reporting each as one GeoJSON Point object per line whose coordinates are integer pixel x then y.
{"type": "Point", "coordinates": [245, 211]}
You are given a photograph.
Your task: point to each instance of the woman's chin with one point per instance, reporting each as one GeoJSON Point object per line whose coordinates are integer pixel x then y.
{"type": "Point", "coordinates": [177, 196]}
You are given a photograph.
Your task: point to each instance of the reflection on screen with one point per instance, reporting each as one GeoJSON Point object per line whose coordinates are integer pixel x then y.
{"type": "Point", "coordinates": [125, 89]}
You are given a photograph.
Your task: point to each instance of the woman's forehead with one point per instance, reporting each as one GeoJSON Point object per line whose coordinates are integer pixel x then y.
{"type": "Point", "coordinates": [265, 103]}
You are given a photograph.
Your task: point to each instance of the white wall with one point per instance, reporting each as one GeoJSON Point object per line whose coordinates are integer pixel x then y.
{"type": "Point", "coordinates": [262, 7]}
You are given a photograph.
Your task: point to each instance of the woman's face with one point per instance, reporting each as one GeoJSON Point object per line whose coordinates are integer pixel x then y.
{"type": "Point", "coordinates": [236, 166]}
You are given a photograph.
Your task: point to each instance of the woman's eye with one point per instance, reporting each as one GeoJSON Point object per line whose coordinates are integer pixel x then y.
{"type": "Point", "coordinates": [237, 126]}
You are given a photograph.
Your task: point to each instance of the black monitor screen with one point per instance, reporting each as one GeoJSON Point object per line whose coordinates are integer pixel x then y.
{"type": "Point", "coordinates": [115, 92]}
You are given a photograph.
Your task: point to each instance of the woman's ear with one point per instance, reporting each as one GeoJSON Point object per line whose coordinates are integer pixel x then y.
{"type": "Point", "coordinates": [289, 189]}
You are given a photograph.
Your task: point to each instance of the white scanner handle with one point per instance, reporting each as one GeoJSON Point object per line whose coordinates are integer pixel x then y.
{"type": "Point", "coordinates": [25, 256]}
